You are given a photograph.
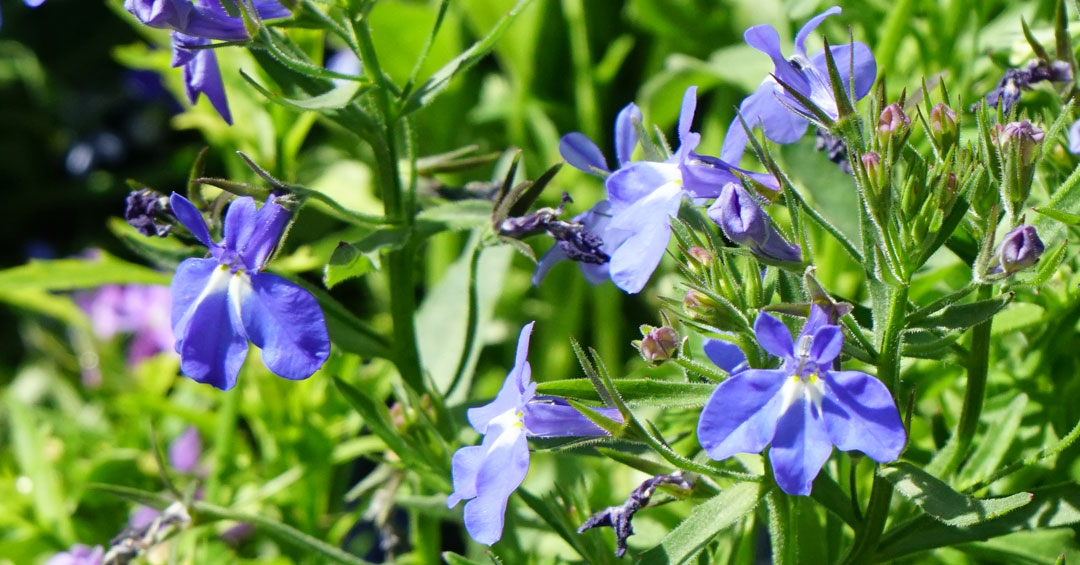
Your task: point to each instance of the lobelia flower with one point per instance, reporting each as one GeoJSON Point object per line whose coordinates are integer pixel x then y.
{"type": "Point", "coordinates": [744, 221]}
{"type": "Point", "coordinates": [1020, 249]}
{"type": "Point", "coordinates": [222, 302]}
{"type": "Point", "coordinates": [780, 115]}
{"type": "Point", "coordinates": [487, 474]}
{"type": "Point", "coordinates": [803, 408]}
{"type": "Point", "coordinates": [141, 310]}
{"type": "Point", "coordinates": [645, 195]}
{"type": "Point", "coordinates": [79, 554]}
{"type": "Point", "coordinates": [194, 25]}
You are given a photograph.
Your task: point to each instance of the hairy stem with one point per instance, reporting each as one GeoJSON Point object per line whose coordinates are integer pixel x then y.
{"type": "Point", "coordinates": [978, 363]}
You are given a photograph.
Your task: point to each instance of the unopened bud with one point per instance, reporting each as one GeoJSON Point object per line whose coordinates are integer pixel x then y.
{"type": "Point", "coordinates": [700, 255]}
{"type": "Point", "coordinates": [659, 345]}
{"type": "Point", "coordinates": [1019, 250]}
{"type": "Point", "coordinates": [892, 119]}
{"type": "Point", "coordinates": [699, 305]}
{"type": "Point", "coordinates": [1024, 134]}
{"type": "Point", "coordinates": [1020, 144]}
{"type": "Point", "coordinates": [943, 126]}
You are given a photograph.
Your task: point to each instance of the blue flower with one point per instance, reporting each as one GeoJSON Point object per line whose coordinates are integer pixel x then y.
{"type": "Point", "coordinates": [222, 302]}
{"type": "Point", "coordinates": [79, 554]}
{"type": "Point", "coordinates": [779, 114]}
{"type": "Point", "coordinates": [194, 25]}
{"type": "Point", "coordinates": [645, 195]}
{"type": "Point", "coordinates": [802, 409]}
{"type": "Point", "coordinates": [487, 474]}
{"type": "Point", "coordinates": [743, 221]}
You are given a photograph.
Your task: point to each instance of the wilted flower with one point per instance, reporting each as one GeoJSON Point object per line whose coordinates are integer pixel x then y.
{"type": "Point", "coordinates": [771, 106]}
{"type": "Point", "coordinates": [221, 303]}
{"type": "Point", "coordinates": [144, 210]}
{"type": "Point", "coordinates": [744, 221]}
{"type": "Point", "coordinates": [79, 554]}
{"type": "Point", "coordinates": [803, 408]}
{"type": "Point", "coordinates": [1020, 249]}
{"type": "Point", "coordinates": [487, 474]}
{"type": "Point", "coordinates": [1008, 89]}
{"type": "Point", "coordinates": [619, 518]}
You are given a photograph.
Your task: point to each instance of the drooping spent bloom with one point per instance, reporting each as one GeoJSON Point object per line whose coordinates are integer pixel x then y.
{"type": "Point", "coordinates": [79, 554]}
{"type": "Point", "coordinates": [222, 302]}
{"type": "Point", "coordinates": [1020, 249]}
{"type": "Point", "coordinates": [593, 223]}
{"type": "Point", "coordinates": [744, 221]}
{"type": "Point", "coordinates": [780, 115]}
{"type": "Point", "coordinates": [145, 209]}
{"type": "Point", "coordinates": [1015, 81]}
{"type": "Point", "coordinates": [194, 25]}
{"type": "Point", "coordinates": [487, 474]}
{"type": "Point", "coordinates": [643, 195]}
{"type": "Point", "coordinates": [619, 518]}
{"type": "Point", "coordinates": [139, 310]}
{"type": "Point", "coordinates": [803, 408]}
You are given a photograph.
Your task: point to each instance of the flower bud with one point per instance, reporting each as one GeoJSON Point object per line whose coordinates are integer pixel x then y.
{"type": "Point", "coordinates": [892, 120]}
{"type": "Point", "coordinates": [698, 305]}
{"type": "Point", "coordinates": [944, 127]}
{"type": "Point", "coordinates": [701, 255]}
{"type": "Point", "coordinates": [1020, 144]}
{"type": "Point", "coordinates": [659, 345]}
{"type": "Point", "coordinates": [1023, 134]}
{"type": "Point", "coordinates": [1019, 250]}
{"type": "Point", "coordinates": [744, 222]}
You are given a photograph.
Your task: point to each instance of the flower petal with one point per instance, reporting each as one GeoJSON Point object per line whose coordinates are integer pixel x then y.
{"type": "Point", "coordinates": [188, 285]}
{"type": "Point", "coordinates": [626, 136]}
{"type": "Point", "coordinates": [189, 215]}
{"type": "Point", "coordinates": [211, 344]}
{"type": "Point", "coordinates": [554, 417]}
{"type": "Point", "coordinates": [809, 27]}
{"type": "Point", "coordinates": [638, 180]}
{"type": "Point", "coordinates": [648, 221]}
{"type": "Point", "coordinates": [185, 450]}
{"type": "Point", "coordinates": [740, 415]}
{"type": "Point", "coordinates": [860, 414]}
{"type": "Point", "coordinates": [774, 336]}
{"type": "Point", "coordinates": [201, 72]}
{"type": "Point", "coordinates": [464, 466]}
{"type": "Point", "coordinates": [260, 234]}
{"type": "Point", "coordinates": [512, 394]}
{"type": "Point", "coordinates": [285, 321]}
{"type": "Point", "coordinates": [864, 69]}
{"type": "Point", "coordinates": [686, 114]}
{"type": "Point", "coordinates": [503, 470]}
{"type": "Point", "coordinates": [554, 255]}
{"type": "Point", "coordinates": [761, 109]}
{"type": "Point", "coordinates": [725, 355]}
{"type": "Point", "coordinates": [826, 345]}
{"type": "Point", "coordinates": [582, 153]}
{"type": "Point", "coordinates": [801, 446]}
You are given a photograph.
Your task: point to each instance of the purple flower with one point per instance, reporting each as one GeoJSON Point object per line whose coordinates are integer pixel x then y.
{"type": "Point", "coordinates": [79, 554]}
{"type": "Point", "coordinates": [140, 310]}
{"type": "Point", "coordinates": [487, 474]}
{"type": "Point", "coordinates": [780, 115]}
{"type": "Point", "coordinates": [744, 221]}
{"type": "Point", "coordinates": [803, 408]}
{"type": "Point", "coordinates": [221, 303]}
{"type": "Point", "coordinates": [194, 25]}
{"type": "Point", "coordinates": [1020, 249]}
{"type": "Point", "coordinates": [205, 18]}
{"type": "Point", "coordinates": [645, 195]}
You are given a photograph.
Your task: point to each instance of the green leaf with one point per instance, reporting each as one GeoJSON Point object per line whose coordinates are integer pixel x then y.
{"type": "Point", "coordinates": [72, 274]}
{"type": "Point", "coordinates": [347, 262]}
{"type": "Point", "coordinates": [705, 521]}
{"type": "Point", "coordinates": [452, 558]}
{"type": "Point", "coordinates": [1049, 264]}
{"type": "Point", "coordinates": [377, 418]}
{"type": "Point", "coordinates": [960, 316]}
{"type": "Point", "coordinates": [27, 439]}
{"type": "Point", "coordinates": [333, 99]}
{"type": "Point", "coordinates": [1063, 217]}
{"type": "Point", "coordinates": [642, 464]}
{"type": "Point", "coordinates": [991, 451]}
{"type": "Point", "coordinates": [636, 392]}
{"type": "Point", "coordinates": [439, 81]}
{"type": "Point", "coordinates": [46, 303]}
{"type": "Point", "coordinates": [940, 501]}
{"type": "Point", "coordinates": [1050, 507]}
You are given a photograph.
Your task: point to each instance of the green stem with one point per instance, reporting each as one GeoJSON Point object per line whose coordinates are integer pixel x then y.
{"type": "Point", "coordinates": [399, 262]}
{"type": "Point", "coordinates": [978, 363]}
{"type": "Point", "coordinates": [877, 511]}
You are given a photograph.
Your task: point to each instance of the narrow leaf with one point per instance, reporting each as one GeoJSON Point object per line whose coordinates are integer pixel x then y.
{"type": "Point", "coordinates": [705, 521]}
{"type": "Point", "coordinates": [940, 501]}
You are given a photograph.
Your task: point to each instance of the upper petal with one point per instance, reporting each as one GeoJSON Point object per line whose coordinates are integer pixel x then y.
{"type": "Point", "coordinates": [864, 68]}
{"type": "Point", "coordinates": [809, 27]}
{"type": "Point", "coordinates": [826, 345]}
{"type": "Point", "coordinates": [582, 153]}
{"type": "Point", "coordinates": [762, 109]}
{"type": "Point", "coordinates": [201, 73]}
{"type": "Point", "coordinates": [860, 414]}
{"type": "Point", "coordinates": [502, 471]}
{"type": "Point", "coordinates": [800, 447]}
{"type": "Point", "coordinates": [189, 215]}
{"type": "Point", "coordinates": [512, 395]}
{"type": "Point", "coordinates": [725, 355]}
{"type": "Point", "coordinates": [741, 414]}
{"type": "Point", "coordinates": [686, 114]}
{"type": "Point", "coordinates": [626, 136]}
{"type": "Point", "coordinates": [638, 180]}
{"type": "Point", "coordinates": [261, 233]}
{"type": "Point", "coordinates": [774, 336]}
{"type": "Point", "coordinates": [285, 321]}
